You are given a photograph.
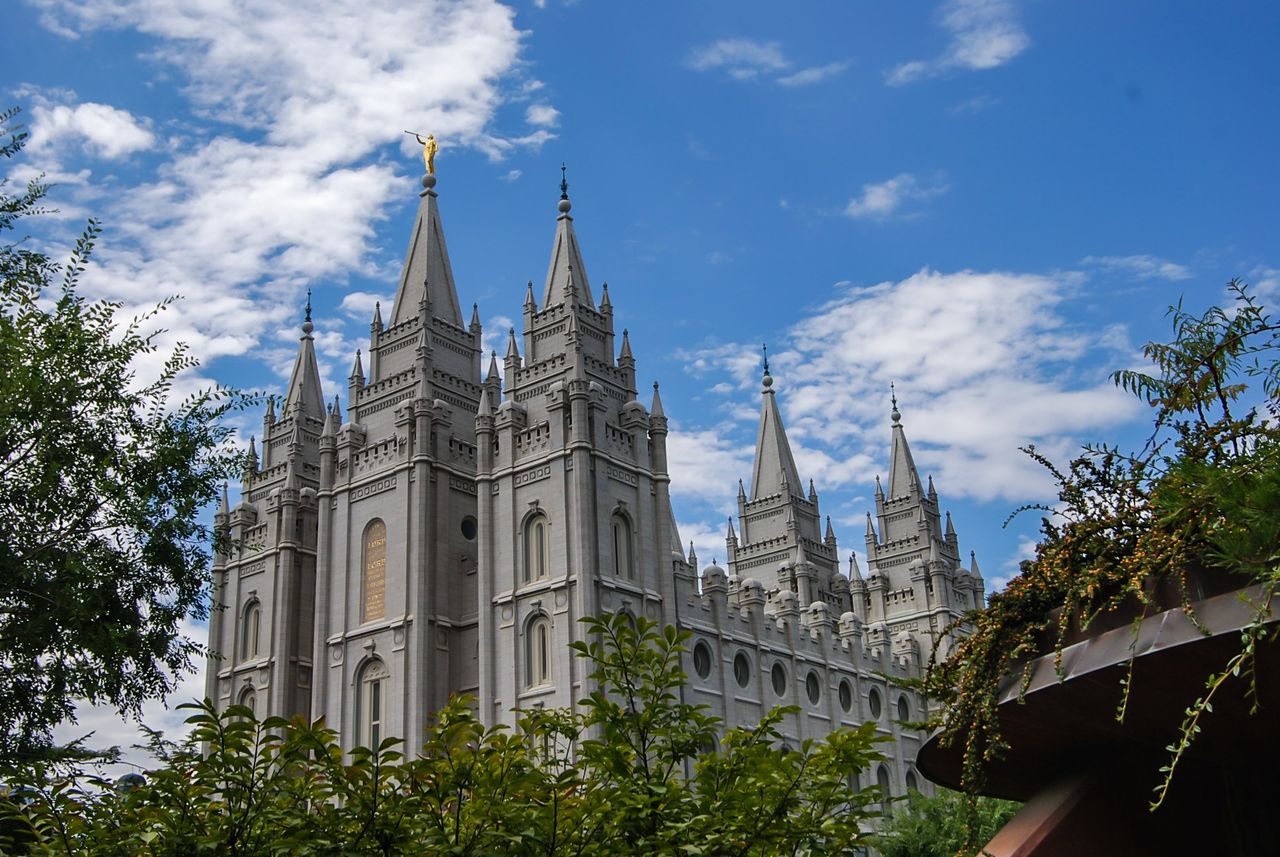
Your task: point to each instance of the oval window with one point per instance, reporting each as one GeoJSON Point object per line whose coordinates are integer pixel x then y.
{"type": "Point", "coordinates": [469, 528]}
{"type": "Point", "coordinates": [813, 687]}
{"type": "Point", "coordinates": [873, 703]}
{"type": "Point", "coordinates": [742, 670]}
{"type": "Point", "coordinates": [778, 675]}
{"type": "Point", "coordinates": [846, 695]}
{"type": "Point", "coordinates": [702, 660]}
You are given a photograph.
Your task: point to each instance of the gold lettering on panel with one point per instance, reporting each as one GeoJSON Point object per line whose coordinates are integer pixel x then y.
{"type": "Point", "coordinates": [375, 572]}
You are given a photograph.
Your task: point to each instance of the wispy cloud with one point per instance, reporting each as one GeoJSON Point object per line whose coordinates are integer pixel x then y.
{"type": "Point", "coordinates": [806, 76]}
{"type": "Point", "coordinates": [886, 199]}
{"type": "Point", "coordinates": [1142, 267]}
{"type": "Point", "coordinates": [984, 34]}
{"type": "Point", "coordinates": [976, 104]}
{"type": "Point", "coordinates": [742, 59]}
{"type": "Point", "coordinates": [983, 364]}
{"type": "Point", "coordinates": [745, 59]}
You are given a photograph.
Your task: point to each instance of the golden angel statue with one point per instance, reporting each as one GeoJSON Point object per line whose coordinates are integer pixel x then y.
{"type": "Point", "coordinates": [429, 149]}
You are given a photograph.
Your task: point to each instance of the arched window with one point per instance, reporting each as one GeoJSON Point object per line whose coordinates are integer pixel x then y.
{"type": "Point", "coordinates": [251, 630]}
{"type": "Point", "coordinates": [537, 652]}
{"type": "Point", "coordinates": [371, 704]}
{"type": "Point", "coordinates": [249, 699]}
{"type": "Point", "coordinates": [882, 780]}
{"type": "Point", "coordinates": [904, 708]}
{"type": "Point", "coordinates": [537, 548]}
{"type": "Point", "coordinates": [623, 553]}
{"type": "Point", "coordinates": [912, 784]}
{"type": "Point", "coordinates": [373, 579]}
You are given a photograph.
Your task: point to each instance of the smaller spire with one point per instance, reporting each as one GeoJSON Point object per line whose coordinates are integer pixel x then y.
{"type": "Point", "coordinates": [656, 410]}
{"type": "Point", "coordinates": [742, 492]}
{"type": "Point", "coordinates": [475, 316]}
{"type": "Point", "coordinates": [337, 409]}
{"type": "Point", "coordinates": [251, 464]}
{"type": "Point", "coordinates": [357, 370]}
{"type": "Point", "coordinates": [493, 367]}
{"type": "Point", "coordinates": [871, 530]}
{"type": "Point", "coordinates": [973, 564]}
{"type": "Point", "coordinates": [271, 409]}
{"type": "Point", "coordinates": [933, 494]}
{"type": "Point", "coordinates": [831, 533]}
{"type": "Point", "coordinates": [224, 508]}
{"type": "Point", "coordinates": [951, 530]}
{"type": "Point", "coordinates": [513, 350]}
{"type": "Point", "coordinates": [529, 304]}
{"type": "Point", "coordinates": [376, 324]}
{"type": "Point", "coordinates": [813, 492]}
{"type": "Point", "coordinates": [625, 351]}
{"type": "Point", "coordinates": [855, 573]}
{"type": "Point", "coordinates": [879, 488]}
{"type": "Point", "coordinates": [693, 556]}
{"type": "Point", "coordinates": [485, 409]}
{"type": "Point", "coordinates": [606, 305]}
{"type": "Point", "coordinates": [730, 533]}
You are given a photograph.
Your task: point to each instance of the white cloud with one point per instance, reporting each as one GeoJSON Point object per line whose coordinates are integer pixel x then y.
{"type": "Point", "coordinates": [360, 305]}
{"type": "Point", "coordinates": [742, 59]}
{"type": "Point", "coordinates": [982, 362]}
{"type": "Point", "coordinates": [287, 190]}
{"type": "Point", "coordinates": [976, 104]}
{"type": "Point", "coordinates": [543, 115]}
{"type": "Point", "coordinates": [879, 201]}
{"type": "Point", "coordinates": [1142, 267]}
{"type": "Point", "coordinates": [700, 462]}
{"type": "Point", "coordinates": [1265, 282]}
{"type": "Point", "coordinates": [815, 74]}
{"type": "Point", "coordinates": [511, 175]}
{"type": "Point", "coordinates": [984, 34]}
{"type": "Point", "coordinates": [106, 131]}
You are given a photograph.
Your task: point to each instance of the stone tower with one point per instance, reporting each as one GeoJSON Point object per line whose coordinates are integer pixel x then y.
{"type": "Point", "coordinates": [266, 585]}
{"type": "Point", "coordinates": [574, 511]}
{"type": "Point", "coordinates": [915, 585]}
{"type": "Point", "coordinates": [396, 579]}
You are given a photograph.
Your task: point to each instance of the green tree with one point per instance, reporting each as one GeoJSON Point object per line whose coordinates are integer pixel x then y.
{"type": "Point", "coordinates": [631, 771]}
{"type": "Point", "coordinates": [939, 826]}
{"type": "Point", "coordinates": [1201, 496]}
{"type": "Point", "coordinates": [102, 481]}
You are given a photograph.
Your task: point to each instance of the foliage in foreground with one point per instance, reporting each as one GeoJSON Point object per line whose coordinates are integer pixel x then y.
{"type": "Point", "coordinates": [102, 480]}
{"type": "Point", "coordinates": [1200, 497]}
{"type": "Point", "coordinates": [631, 771]}
{"type": "Point", "coordinates": [939, 826]}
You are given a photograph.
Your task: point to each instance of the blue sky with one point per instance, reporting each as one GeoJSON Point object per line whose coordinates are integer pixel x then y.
{"type": "Point", "coordinates": [988, 203]}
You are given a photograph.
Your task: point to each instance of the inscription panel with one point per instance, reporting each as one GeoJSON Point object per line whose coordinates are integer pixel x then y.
{"type": "Point", "coordinates": [375, 572]}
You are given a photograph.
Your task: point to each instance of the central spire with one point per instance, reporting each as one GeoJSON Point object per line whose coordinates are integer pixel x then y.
{"type": "Point", "coordinates": [427, 272]}
{"type": "Point", "coordinates": [904, 479]}
{"type": "Point", "coordinates": [774, 464]}
{"type": "Point", "coordinates": [566, 256]}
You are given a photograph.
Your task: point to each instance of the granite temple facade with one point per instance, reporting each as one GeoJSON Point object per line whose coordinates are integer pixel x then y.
{"type": "Point", "coordinates": [445, 533]}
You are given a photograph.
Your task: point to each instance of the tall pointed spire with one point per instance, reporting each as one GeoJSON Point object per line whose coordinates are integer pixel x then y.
{"type": "Point", "coordinates": [774, 464]}
{"type": "Point", "coordinates": [427, 275]}
{"type": "Point", "coordinates": [904, 479]}
{"type": "Point", "coordinates": [305, 396]}
{"type": "Point", "coordinates": [566, 257]}
{"type": "Point", "coordinates": [656, 410]}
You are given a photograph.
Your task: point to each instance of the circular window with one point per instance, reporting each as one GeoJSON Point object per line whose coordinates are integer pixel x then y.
{"type": "Point", "coordinates": [904, 709]}
{"type": "Point", "coordinates": [702, 660]}
{"type": "Point", "coordinates": [912, 785]}
{"type": "Point", "coordinates": [778, 675]}
{"type": "Point", "coordinates": [846, 695]}
{"type": "Point", "coordinates": [813, 687]}
{"type": "Point", "coordinates": [873, 703]}
{"type": "Point", "coordinates": [742, 670]}
{"type": "Point", "coordinates": [469, 528]}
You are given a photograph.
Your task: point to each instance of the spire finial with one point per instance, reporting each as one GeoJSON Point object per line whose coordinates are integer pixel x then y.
{"type": "Point", "coordinates": [768, 379]}
{"type": "Point", "coordinates": [564, 205]}
{"type": "Point", "coordinates": [893, 399]}
{"type": "Point", "coordinates": [307, 326]}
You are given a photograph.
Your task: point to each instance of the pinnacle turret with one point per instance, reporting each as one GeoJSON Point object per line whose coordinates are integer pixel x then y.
{"type": "Point", "coordinates": [304, 396]}
{"type": "Point", "coordinates": [566, 258]}
{"type": "Point", "coordinates": [774, 464]}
